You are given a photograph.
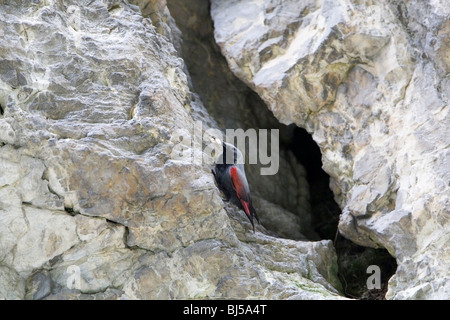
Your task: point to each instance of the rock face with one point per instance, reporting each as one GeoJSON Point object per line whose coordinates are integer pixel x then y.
{"type": "Point", "coordinates": [93, 202]}
{"type": "Point", "coordinates": [286, 209]}
{"type": "Point", "coordinates": [370, 83]}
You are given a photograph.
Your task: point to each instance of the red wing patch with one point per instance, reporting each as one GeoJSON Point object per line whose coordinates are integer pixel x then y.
{"type": "Point", "coordinates": [240, 189]}
{"type": "Point", "coordinates": [245, 205]}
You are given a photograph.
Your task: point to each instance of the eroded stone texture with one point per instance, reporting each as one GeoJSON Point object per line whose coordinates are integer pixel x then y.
{"type": "Point", "coordinates": [284, 209]}
{"type": "Point", "coordinates": [370, 82]}
{"type": "Point", "coordinates": [94, 201]}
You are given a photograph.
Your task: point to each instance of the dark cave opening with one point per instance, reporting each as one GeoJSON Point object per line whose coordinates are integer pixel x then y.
{"type": "Point", "coordinates": [325, 211]}
{"type": "Point", "coordinates": [353, 260]}
{"type": "Point", "coordinates": [222, 94]}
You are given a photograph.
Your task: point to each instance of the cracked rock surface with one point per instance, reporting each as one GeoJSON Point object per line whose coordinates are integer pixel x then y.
{"type": "Point", "coordinates": [93, 204]}
{"type": "Point", "coordinates": [370, 82]}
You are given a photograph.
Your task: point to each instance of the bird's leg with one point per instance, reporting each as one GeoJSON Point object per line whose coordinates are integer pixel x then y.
{"type": "Point", "coordinates": [226, 198]}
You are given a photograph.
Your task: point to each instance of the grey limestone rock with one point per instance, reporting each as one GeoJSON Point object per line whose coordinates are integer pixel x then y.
{"type": "Point", "coordinates": [370, 82]}
{"type": "Point", "coordinates": [93, 202]}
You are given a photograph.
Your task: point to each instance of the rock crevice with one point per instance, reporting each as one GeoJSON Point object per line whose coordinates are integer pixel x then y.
{"type": "Point", "coordinates": [366, 81]}
{"type": "Point", "coordinates": [94, 203]}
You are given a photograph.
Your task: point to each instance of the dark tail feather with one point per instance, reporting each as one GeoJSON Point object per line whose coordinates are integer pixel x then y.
{"type": "Point", "coordinates": [250, 218]}
{"type": "Point", "coordinates": [250, 212]}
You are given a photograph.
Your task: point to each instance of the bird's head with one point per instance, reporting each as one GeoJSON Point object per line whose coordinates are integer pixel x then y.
{"type": "Point", "coordinates": [230, 154]}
